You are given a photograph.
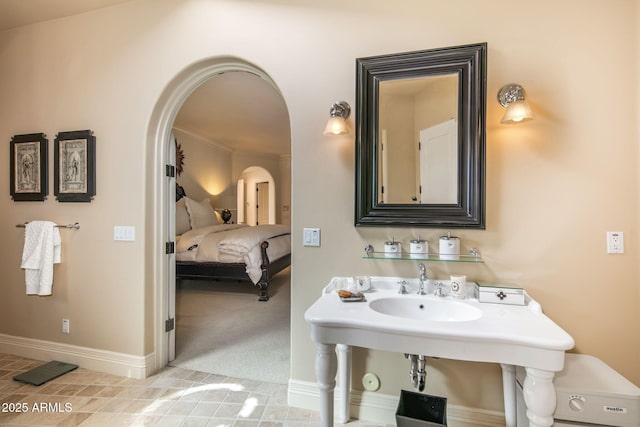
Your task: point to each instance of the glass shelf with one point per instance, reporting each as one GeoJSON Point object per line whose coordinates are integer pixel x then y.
{"type": "Point", "coordinates": [425, 257]}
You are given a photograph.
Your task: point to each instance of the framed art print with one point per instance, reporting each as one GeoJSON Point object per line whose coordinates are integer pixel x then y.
{"type": "Point", "coordinates": [75, 166]}
{"type": "Point", "coordinates": [29, 168]}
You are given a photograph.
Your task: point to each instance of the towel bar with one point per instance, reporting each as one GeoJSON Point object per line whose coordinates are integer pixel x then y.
{"type": "Point", "coordinates": [75, 226]}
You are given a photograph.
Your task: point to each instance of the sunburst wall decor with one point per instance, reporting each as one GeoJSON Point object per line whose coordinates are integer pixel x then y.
{"type": "Point", "coordinates": [179, 158]}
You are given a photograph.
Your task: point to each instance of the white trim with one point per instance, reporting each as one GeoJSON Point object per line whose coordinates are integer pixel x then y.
{"type": "Point", "coordinates": [126, 365]}
{"type": "Point", "coordinates": [373, 406]}
{"type": "Point", "coordinates": [204, 139]}
{"type": "Point", "coordinates": [161, 276]}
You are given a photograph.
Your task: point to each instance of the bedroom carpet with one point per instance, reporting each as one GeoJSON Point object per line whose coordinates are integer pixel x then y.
{"type": "Point", "coordinates": [222, 328]}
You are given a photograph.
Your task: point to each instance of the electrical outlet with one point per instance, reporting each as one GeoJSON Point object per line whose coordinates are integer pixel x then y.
{"type": "Point", "coordinates": [65, 326]}
{"type": "Point", "coordinates": [615, 242]}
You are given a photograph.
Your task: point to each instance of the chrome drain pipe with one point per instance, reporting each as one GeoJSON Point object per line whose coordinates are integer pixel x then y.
{"type": "Point", "coordinates": [418, 373]}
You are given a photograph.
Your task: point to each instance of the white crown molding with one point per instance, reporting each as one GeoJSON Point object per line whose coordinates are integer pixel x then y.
{"type": "Point", "coordinates": [203, 139]}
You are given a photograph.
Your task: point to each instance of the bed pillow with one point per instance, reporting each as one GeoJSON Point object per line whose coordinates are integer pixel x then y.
{"type": "Point", "coordinates": [182, 217]}
{"type": "Point", "coordinates": [201, 213]}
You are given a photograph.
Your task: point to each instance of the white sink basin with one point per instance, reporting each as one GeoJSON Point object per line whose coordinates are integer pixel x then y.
{"type": "Point", "coordinates": [430, 325]}
{"type": "Point", "coordinates": [439, 310]}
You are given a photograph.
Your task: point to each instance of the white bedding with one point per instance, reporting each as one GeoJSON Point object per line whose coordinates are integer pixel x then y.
{"type": "Point", "coordinates": [234, 243]}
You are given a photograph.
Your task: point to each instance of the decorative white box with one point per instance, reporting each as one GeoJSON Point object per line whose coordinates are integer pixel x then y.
{"type": "Point", "coordinates": [500, 293]}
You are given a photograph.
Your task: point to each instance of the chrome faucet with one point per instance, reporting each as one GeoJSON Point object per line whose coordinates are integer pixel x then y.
{"type": "Point", "coordinates": [423, 277]}
{"type": "Point", "coordinates": [403, 287]}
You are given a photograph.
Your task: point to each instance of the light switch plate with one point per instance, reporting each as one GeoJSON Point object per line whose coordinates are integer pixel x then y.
{"type": "Point", "coordinates": [311, 237]}
{"type": "Point", "coordinates": [124, 233]}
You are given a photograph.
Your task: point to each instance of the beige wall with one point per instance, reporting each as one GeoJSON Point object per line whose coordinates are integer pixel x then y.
{"type": "Point", "coordinates": [397, 121]}
{"type": "Point", "coordinates": [554, 185]}
{"type": "Point", "coordinates": [212, 171]}
{"type": "Point", "coordinates": [207, 170]}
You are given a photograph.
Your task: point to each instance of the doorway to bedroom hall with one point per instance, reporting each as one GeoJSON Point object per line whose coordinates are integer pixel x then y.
{"type": "Point", "coordinates": [220, 130]}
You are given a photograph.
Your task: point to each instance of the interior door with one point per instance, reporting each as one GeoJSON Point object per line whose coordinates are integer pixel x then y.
{"type": "Point", "coordinates": [240, 201]}
{"type": "Point", "coordinates": [171, 263]}
{"type": "Point", "coordinates": [262, 203]}
{"type": "Point", "coordinates": [439, 164]}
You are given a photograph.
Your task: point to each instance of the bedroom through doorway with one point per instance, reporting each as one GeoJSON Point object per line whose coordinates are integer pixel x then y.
{"type": "Point", "coordinates": [232, 122]}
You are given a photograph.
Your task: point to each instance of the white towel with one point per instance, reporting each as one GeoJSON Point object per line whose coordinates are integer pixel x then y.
{"type": "Point", "coordinates": [41, 250]}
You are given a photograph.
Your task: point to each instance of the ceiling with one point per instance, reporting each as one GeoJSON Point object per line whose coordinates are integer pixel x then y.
{"type": "Point", "coordinates": [236, 109]}
{"type": "Point", "coordinates": [15, 13]}
{"type": "Point", "coordinates": [239, 110]}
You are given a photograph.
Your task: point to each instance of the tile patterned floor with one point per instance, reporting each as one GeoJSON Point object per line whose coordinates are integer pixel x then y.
{"type": "Point", "coordinates": [172, 397]}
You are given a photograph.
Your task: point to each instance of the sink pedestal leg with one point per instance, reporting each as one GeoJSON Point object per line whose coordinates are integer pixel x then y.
{"type": "Point", "coordinates": [344, 379]}
{"type": "Point", "coordinates": [326, 369]}
{"type": "Point", "coordinates": [540, 397]}
{"type": "Point", "coordinates": [509, 392]}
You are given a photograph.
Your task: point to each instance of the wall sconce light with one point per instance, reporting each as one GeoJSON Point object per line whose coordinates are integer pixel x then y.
{"type": "Point", "coordinates": [511, 96]}
{"type": "Point", "coordinates": [337, 123]}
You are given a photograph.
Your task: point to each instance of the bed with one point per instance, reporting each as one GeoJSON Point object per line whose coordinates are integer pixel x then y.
{"type": "Point", "coordinates": [207, 248]}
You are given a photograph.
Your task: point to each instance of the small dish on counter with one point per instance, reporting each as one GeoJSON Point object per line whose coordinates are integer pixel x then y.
{"type": "Point", "coordinates": [348, 296]}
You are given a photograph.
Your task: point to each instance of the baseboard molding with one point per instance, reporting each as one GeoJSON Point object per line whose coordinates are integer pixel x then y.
{"type": "Point", "coordinates": [109, 362]}
{"type": "Point", "coordinates": [378, 407]}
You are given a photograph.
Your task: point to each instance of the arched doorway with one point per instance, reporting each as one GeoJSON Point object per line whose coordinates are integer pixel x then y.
{"type": "Point", "coordinates": [160, 266]}
{"type": "Point", "coordinates": [257, 200]}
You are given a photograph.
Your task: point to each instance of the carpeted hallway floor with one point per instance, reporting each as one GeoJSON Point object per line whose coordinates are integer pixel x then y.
{"type": "Point", "coordinates": [222, 328]}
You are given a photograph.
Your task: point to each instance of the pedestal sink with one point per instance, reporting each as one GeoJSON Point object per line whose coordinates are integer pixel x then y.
{"type": "Point", "coordinates": [436, 310]}
{"type": "Point", "coordinates": [442, 327]}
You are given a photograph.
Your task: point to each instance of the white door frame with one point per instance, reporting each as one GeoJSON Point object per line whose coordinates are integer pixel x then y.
{"type": "Point", "coordinates": [160, 275]}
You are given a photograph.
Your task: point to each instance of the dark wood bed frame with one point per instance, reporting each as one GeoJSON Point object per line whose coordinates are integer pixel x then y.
{"type": "Point", "coordinates": [234, 271]}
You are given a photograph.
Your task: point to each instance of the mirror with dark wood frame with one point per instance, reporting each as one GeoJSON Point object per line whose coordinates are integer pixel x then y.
{"type": "Point", "coordinates": [420, 138]}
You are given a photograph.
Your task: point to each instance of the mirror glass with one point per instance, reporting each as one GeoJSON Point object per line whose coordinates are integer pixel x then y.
{"type": "Point", "coordinates": [420, 138]}
{"type": "Point", "coordinates": [418, 146]}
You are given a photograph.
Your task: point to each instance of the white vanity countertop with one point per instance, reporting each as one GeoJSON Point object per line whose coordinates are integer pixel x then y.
{"type": "Point", "coordinates": [519, 335]}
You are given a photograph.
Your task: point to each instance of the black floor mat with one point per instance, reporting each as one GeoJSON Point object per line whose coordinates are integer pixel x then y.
{"type": "Point", "coordinates": [44, 373]}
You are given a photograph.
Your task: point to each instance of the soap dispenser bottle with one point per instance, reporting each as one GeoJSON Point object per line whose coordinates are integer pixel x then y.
{"type": "Point", "coordinates": [392, 248]}
{"type": "Point", "coordinates": [449, 247]}
{"type": "Point", "coordinates": [418, 248]}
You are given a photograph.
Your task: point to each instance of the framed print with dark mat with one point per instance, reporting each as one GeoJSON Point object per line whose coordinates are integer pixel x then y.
{"type": "Point", "coordinates": [75, 166]}
{"type": "Point", "coordinates": [29, 168]}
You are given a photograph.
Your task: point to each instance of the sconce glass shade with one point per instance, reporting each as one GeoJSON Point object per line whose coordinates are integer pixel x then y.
{"type": "Point", "coordinates": [337, 123]}
{"type": "Point", "coordinates": [518, 111]}
{"type": "Point", "coordinates": [336, 126]}
{"type": "Point", "coordinates": [512, 97]}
